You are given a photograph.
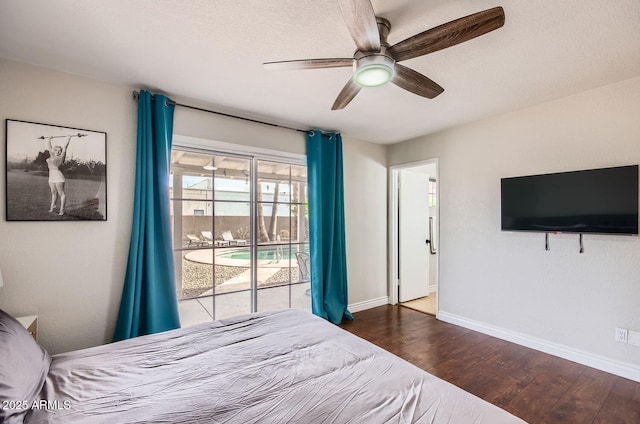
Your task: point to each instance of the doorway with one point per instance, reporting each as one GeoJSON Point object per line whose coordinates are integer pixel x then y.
{"type": "Point", "coordinates": [413, 235]}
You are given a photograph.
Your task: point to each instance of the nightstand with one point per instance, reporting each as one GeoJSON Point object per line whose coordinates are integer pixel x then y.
{"type": "Point", "coordinates": [31, 324]}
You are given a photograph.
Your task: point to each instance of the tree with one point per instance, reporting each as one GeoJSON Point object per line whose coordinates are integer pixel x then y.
{"type": "Point", "coordinates": [273, 225]}
{"type": "Point", "coordinates": [40, 161]}
{"type": "Point", "coordinates": [295, 195]}
{"type": "Point", "coordinates": [263, 235]}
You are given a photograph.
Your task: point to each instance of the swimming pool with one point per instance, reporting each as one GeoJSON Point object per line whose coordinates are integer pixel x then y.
{"type": "Point", "coordinates": [263, 253]}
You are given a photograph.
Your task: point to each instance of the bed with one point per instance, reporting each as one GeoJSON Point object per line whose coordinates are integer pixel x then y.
{"type": "Point", "coordinates": [280, 367]}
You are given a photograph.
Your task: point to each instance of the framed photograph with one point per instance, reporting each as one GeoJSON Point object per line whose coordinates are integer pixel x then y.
{"type": "Point", "coordinates": [55, 173]}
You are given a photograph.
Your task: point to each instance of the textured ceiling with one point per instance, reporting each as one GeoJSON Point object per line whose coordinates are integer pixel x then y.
{"type": "Point", "coordinates": [212, 51]}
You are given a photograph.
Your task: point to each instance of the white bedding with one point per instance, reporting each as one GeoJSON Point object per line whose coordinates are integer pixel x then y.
{"type": "Point", "coordinates": [282, 367]}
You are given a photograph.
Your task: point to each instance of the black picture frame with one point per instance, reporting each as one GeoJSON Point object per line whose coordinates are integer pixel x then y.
{"type": "Point", "coordinates": [38, 177]}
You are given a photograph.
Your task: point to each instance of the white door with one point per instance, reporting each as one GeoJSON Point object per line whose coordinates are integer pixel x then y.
{"type": "Point", "coordinates": [413, 231]}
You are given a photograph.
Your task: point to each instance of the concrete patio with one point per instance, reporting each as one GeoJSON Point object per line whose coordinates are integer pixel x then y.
{"type": "Point", "coordinates": [232, 286]}
{"type": "Point", "coordinates": [200, 309]}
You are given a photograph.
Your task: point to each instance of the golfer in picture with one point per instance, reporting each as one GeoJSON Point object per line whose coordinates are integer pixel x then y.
{"type": "Point", "coordinates": [57, 157]}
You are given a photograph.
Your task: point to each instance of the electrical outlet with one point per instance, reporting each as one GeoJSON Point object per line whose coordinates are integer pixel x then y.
{"type": "Point", "coordinates": [622, 335]}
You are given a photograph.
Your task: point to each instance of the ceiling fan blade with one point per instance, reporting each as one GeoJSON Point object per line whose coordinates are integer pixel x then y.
{"type": "Point", "coordinates": [361, 21]}
{"type": "Point", "coordinates": [415, 82]}
{"type": "Point", "coordinates": [449, 34]}
{"type": "Point", "coordinates": [309, 64]}
{"type": "Point", "coordinates": [347, 94]}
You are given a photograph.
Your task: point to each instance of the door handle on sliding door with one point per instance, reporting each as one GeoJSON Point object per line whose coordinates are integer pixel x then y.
{"type": "Point", "coordinates": [432, 248]}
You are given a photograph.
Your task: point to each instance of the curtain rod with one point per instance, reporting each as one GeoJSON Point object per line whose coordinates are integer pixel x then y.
{"type": "Point", "coordinates": [136, 95]}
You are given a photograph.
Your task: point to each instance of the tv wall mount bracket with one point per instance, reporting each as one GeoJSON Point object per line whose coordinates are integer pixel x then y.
{"type": "Point", "coordinates": [546, 243]}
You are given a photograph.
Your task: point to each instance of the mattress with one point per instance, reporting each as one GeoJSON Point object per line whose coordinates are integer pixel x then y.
{"type": "Point", "coordinates": [280, 367]}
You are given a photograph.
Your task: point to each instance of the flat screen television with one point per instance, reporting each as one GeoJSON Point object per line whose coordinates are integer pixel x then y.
{"type": "Point", "coordinates": [600, 201]}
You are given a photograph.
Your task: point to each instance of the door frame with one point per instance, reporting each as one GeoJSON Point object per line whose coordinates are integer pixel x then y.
{"type": "Point", "coordinates": [393, 227]}
{"type": "Point", "coordinates": [253, 155]}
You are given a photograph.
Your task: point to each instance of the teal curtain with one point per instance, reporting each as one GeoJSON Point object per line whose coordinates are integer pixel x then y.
{"type": "Point", "coordinates": [149, 302]}
{"type": "Point", "coordinates": [326, 227]}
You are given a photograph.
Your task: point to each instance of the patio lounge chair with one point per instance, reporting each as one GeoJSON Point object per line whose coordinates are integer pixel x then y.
{"type": "Point", "coordinates": [228, 237]}
{"type": "Point", "coordinates": [207, 237]}
{"type": "Point", "coordinates": [194, 240]}
{"type": "Point", "coordinates": [303, 266]}
{"type": "Point", "coordinates": [303, 269]}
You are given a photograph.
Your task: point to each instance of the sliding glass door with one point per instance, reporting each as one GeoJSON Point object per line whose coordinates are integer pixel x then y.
{"type": "Point", "coordinates": [240, 234]}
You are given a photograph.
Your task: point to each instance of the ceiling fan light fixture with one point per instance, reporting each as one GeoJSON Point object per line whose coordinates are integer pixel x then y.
{"type": "Point", "coordinates": [373, 75]}
{"type": "Point", "coordinates": [210, 167]}
{"type": "Point", "coordinates": [374, 70]}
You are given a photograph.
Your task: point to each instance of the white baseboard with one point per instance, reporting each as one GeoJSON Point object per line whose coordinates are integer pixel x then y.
{"type": "Point", "coordinates": [612, 366]}
{"type": "Point", "coordinates": [368, 304]}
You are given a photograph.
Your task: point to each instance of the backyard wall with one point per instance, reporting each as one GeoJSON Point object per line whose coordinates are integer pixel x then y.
{"type": "Point", "coordinates": [505, 282]}
{"type": "Point", "coordinates": [237, 225]}
{"type": "Point", "coordinates": [70, 274]}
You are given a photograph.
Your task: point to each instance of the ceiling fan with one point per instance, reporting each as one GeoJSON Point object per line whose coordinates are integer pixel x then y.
{"type": "Point", "coordinates": [375, 62]}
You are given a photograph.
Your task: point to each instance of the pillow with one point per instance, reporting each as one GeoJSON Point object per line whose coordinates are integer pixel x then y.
{"type": "Point", "coordinates": [24, 365]}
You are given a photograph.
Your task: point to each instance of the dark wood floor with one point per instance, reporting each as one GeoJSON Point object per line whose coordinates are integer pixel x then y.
{"type": "Point", "coordinates": [532, 385]}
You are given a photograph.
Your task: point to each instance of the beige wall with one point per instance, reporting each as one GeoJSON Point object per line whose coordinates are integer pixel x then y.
{"type": "Point", "coordinates": [365, 192]}
{"type": "Point", "coordinates": [70, 273]}
{"type": "Point", "coordinates": [506, 280]}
